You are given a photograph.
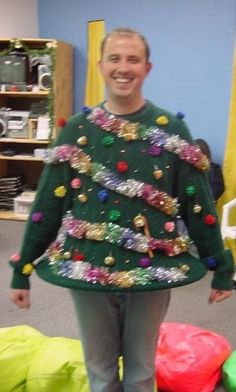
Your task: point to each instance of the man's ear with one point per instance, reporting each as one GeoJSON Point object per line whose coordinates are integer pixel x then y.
{"type": "Point", "coordinates": [99, 64]}
{"type": "Point", "coordinates": [148, 67]}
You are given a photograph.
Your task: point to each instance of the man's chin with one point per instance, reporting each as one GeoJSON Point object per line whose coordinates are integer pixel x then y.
{"type": "Point", "coordinates": [124, 94]}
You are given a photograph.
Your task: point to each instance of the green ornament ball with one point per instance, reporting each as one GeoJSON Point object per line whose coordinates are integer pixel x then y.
{"type": "Point", "coordinates": [107, 140]}
{"type": "Point", "coordinates": [114, 215]}
{"type": "Point", "coordinates": [190, 190]}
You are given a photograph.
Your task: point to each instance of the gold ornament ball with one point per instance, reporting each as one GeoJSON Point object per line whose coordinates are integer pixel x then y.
{"type": "Point", "coordinates": [109, 260]}
{"type": "Point", "coordinates": [184, 268]}
{"type": "Point", "coordinates": [67, 255]}
{"type": "Point", "coordinates": [139, 221]}
{"type": "Point", "coordinates": [158, 174]}
{"type": "Point", "coordinates": [83, 198]}
{"type": "Point", "coordinates": [197, 208]}
{"type": "Point", "coordinates": [82, 141]}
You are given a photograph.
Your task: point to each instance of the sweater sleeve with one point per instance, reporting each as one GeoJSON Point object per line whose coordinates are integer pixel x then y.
{"type": "Point", "coordinates": [197, 209]}
{"type": "Point", "coordinates": [53, 199]}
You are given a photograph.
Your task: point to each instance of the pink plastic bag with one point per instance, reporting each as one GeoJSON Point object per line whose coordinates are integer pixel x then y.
{"type": "Point", "coordinates": [189, 358]}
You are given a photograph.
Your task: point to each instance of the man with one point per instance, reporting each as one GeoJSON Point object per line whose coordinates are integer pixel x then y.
{"type": "Point", "coordinates": [112, 180]}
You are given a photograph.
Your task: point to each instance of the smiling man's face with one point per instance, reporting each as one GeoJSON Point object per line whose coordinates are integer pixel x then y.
{"type": "Point", "coordinates": [124, 67]}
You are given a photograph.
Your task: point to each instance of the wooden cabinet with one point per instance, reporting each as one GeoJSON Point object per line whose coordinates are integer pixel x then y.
{"type": "Point", "coordinates": [58, 100]}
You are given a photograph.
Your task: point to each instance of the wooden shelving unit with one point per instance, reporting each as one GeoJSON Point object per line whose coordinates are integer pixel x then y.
{"type": "Point", "coordinates": [60, 100]}
{"type": "Point", "coordinates": [10, 215]}
{"type": "Point", "coordinates": [24, 94]}
{"type": "Point", "coordinates": [21, 158]}
{"type": "Point", "coordinates": [23, 141]}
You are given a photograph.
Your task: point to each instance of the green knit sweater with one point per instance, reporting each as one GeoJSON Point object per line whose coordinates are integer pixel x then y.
{"type": "Point", "coordinates": [108, 203]}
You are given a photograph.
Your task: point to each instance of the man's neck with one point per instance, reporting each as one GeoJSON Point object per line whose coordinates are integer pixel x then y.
{"type": "Point", "coordinates": [122, 108]}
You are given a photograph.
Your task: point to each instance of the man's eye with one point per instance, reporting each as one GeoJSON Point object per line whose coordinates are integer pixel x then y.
{"type": "Point", "coordinates": [114, 59]}
{"type": "Point", "coordinates": [134, 60]}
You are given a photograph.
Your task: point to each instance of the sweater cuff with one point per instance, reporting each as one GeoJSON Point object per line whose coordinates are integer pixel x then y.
{"type": "Point", "coordinates": [20, 281]}
{"type": "Point", "coordinates": [222, 281]}
{"type": "Point", "coordinates": [223, 269]}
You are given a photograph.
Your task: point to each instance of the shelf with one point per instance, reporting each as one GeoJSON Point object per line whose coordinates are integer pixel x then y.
{"type": "Point", "coordinates": [36, 43]}
{"type": "Point", "coordinates": [28, 160]}
{"type": "Point", "coordinates": [10, 215]}
{"type": "Point", "coordinates": [25, 94]}
{"type": "Point", "coordinates": [29, 141]}
{"type": "Point", "coordinates": [20, 158]}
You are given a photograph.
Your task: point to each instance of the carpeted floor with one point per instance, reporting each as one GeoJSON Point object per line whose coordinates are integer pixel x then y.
{"type": "Point", "coordinates": [52, 312]}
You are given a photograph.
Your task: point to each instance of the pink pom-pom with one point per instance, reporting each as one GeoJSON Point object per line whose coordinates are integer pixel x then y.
{"type": "Point", "coordinates": [15, 258]}
{"type": "Point", "coordinates": [169, 226]}
{"type": "Point", "coordinates": [76, 183]}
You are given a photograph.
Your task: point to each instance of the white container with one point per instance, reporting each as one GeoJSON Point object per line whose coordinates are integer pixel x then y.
{"type": "Point", "coordinates": [39, 153]}
{"type": "Point", "coordinates": [23, 203]}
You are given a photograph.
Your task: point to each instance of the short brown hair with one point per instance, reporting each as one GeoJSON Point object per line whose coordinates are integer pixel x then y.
{"type": "Point", "coordinates": [126, 31]}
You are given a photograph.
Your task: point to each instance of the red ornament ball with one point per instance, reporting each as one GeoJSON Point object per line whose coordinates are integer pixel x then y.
{"type": "Point", "coordinates": [78, 256]}
{"type": "Point", "coordinates": [210, 219]}
{"type": "Point", "coordinates": [122, 166]}
{"type": "Point", "coordinates": [62, 122]}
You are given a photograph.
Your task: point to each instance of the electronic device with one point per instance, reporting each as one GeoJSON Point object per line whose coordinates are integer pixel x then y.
{"type": "Point", "coordinates": [9, 152]}
{"type": "Point", "coordinates": [17, 124]}
{"type": "Point", "coordinates": [3, 121]}
{"type": "Point", "coordinates": [14, 69]}
{"type": "Point", "coordinates": [38, 108]}
{"type": "Point", "coordinates": [44, 77]}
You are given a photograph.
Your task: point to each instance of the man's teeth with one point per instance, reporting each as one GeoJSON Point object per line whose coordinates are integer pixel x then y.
{"type": "Point", "coordinates": [122, 80]}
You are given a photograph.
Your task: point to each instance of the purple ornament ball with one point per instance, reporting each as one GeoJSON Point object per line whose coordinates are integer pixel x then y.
{"type": "Point", "coordinates": [37, 217]}
{"type": "Point", "coordinates": [144, 262]}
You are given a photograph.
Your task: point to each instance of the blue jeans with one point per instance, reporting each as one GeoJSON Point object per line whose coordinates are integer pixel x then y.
{"type": "Point", "coordinates": [115, 324]}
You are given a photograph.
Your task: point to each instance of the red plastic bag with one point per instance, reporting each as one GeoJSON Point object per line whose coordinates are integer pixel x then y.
{"type": "Point", "coordinates": [189, 358]}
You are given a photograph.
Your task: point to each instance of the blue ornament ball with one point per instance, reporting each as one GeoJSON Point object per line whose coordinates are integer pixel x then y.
{"type": "Point", "coordinates": [211, 263]}
{"type": "Point", "coordinates": [86, 109]}
{"type": "Point", "coordinates": [103, 195]}
{"type": "Point", "coordinates": [180, 115]}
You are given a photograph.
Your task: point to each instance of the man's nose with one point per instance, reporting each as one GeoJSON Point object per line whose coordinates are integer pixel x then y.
{"type": "Point", "coordinates": [123, 65]}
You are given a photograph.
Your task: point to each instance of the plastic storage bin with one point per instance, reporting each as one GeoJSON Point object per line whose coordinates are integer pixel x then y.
{"type": "Point", "coordinates": [23, 203]}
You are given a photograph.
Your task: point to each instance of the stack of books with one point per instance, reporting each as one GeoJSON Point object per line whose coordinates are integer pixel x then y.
{"type": "Point", "coordinates": [10, 187]}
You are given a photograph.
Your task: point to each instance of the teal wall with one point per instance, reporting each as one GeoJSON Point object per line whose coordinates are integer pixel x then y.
{"type": "Point", "coordinates": [192, 44]}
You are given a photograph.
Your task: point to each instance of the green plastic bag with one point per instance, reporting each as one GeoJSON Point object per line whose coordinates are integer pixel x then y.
{"type": "Point", "coordinates": [229, 373]}
{"type": "Point", "coordinates": [58, 365]}
{"type": "Point", "coordinates": [33, 362]}
{"type": "Point", "coordinates": [17, 347]}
